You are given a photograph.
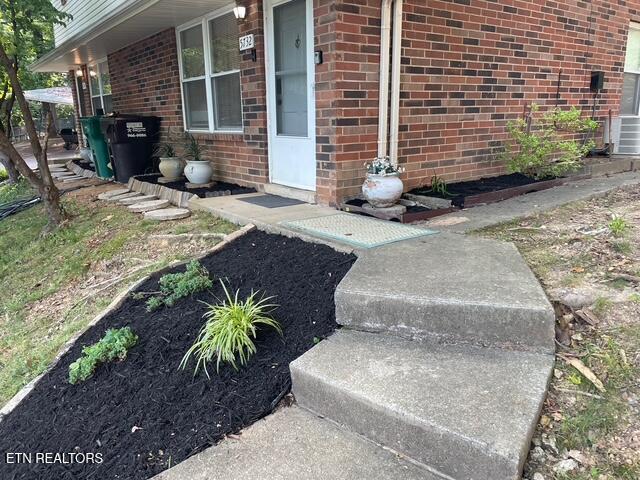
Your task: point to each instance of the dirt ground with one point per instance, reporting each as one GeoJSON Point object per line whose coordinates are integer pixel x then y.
{"type": "Point", "coordinates": [587, 256]}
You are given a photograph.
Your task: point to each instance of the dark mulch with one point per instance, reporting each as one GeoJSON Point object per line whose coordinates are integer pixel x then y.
{"type": "Point", "coordinates": [216, 188]}
{"type": "Point", "coordinates": [84, 164]}
{"type": "Point", "coordinates": [178, 414]}
{"type": "Point", "coordinates": [475, 187]}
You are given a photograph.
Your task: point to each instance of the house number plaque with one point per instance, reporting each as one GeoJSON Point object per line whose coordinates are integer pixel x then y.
{"type": "Point", "coordinates": [246, 42]}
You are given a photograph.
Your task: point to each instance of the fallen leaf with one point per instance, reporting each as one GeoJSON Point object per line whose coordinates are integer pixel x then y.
{"type": "Point", "coordinates": [135, 428]}
{"type": "Point", "coordinates": [586, 372]}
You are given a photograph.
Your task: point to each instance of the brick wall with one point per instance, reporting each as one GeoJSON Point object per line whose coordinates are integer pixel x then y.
{"type": "Point", "coordinates": [145, 80]}
{"type": "Point", "coordinates": [468, 67]}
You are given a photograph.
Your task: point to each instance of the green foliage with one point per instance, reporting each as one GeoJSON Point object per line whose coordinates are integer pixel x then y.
{"type": "Point", "coordinates": [10, 193]}
{"type": "Point", "coordinates": [618, 226]}
{"type": "Point", "coordinates": [174, 286]}
{"type": "Point", "coordinates": [3, 174]}
{"type": "Point", "coordinates": [26, 33]}
{"type": "Point", "coordinates": [230, 329]}
{"type": "Point", "coordinates": [192, 148]}
{"type": "Point", "coordinates": [550, 149]}
{"type": "Point", "coordinates": [165, 150]}
{"type": "Point", "coordinates": [439, 185]}
{"type": "Point", "coordinates": [113, 346]}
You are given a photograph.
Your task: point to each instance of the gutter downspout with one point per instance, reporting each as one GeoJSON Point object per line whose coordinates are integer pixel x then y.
{"type": "Point", "coordinates": [385, 41]}
{"type": "Point", "coordinates": [395, 82]}
{"type": "Point", "coordinates": [383, 110]}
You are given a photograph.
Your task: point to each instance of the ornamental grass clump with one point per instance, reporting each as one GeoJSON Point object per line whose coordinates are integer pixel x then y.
{"type": "Point", "coordinates": [113, 346]}
{"type": "Point", "coordinates": [230, 330]}
{"type": "Point", "coordinates": [174, 286]}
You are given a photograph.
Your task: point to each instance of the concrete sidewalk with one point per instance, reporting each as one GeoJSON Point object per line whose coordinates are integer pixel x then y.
{"type": "Point", "coordinates": [519, 207]}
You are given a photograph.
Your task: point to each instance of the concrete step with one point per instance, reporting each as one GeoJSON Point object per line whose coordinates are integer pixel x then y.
{"type": "Point", "coordinates": [293, 444]}
{"type": "Point", "coordinates": [450, 287]}
{"type": "Point", "coordinates": [167, 214]}
{"type": "Point", "coordinates": [468, 412]}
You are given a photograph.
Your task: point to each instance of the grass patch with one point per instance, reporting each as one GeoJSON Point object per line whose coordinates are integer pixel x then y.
{"type": "Point", "coordinates": [602, 305]}
{"type": "Point", "coordinates": [10, 193]}
{"type": "Point", "coordinates": [33, 268]}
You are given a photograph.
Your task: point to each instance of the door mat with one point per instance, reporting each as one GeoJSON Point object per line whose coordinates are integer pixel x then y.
{"type": "Point", "coordinates": [356, 230]}
{"type": "Point", "coordinates": [271, 201]}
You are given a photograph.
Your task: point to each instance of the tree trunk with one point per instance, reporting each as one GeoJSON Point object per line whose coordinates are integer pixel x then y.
{"type": "Point", "coordinates": [50, 108]}
{"type": "Point", "coordinates": [43, 183]}
{"type": "Point", "coordinates": [14, 175]}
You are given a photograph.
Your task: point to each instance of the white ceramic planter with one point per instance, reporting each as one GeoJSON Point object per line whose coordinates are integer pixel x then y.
{"type": "Point", "coordinates": [171, 167]}
{"type": "Point", "coordinates": [198, 171]}
{"type": "Point", "coordinates": [382, 191]}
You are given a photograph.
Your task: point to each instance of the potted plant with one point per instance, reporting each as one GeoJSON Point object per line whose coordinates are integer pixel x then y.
{"type": "Point", "coordinates": [197, 171]}
{"type": "Point", "coordinates": [170, 166]}
{"type": "Point", "coordinates": [382, 187]}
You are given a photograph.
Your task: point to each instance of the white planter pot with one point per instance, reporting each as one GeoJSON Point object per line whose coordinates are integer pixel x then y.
{"type": "Point", "coordinates": [171, 167]}
{"type": "Point", "coordinates": [198, 171]}
{"type": "Point", "coordinates": [382, 191]}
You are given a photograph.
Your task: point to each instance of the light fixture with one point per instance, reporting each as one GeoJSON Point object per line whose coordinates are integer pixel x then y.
{"type": "Point", "coordinates": [240, 12]}
{"type": "Point", "coordinates": [93, 73]}
{"type": "Point", "coordinates": [79, 73]}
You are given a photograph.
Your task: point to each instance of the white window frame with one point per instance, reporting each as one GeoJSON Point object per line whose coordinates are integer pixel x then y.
{"type": "Point", "coordinates": [96, 65]}
{"type": "Point", "coordinates": [636, 27]}
{"type": "Point", "coordinates": [204, 23]}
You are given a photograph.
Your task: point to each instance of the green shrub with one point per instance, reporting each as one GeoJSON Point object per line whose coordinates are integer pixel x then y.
{"type": "Point", "coordinates": [229, 331]}
{"type": "Point", "coordinates": [549, 149]}
{"type": "Point", "coordinates": [18, 190]}
{"type": "Point", "coordinates": [113, 346]}
{"type": "Point", "coordinates": [174, 286]}
{"type": "Point", "coordinates": [3, 174]}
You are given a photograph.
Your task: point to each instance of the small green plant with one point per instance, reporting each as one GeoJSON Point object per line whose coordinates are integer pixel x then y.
{"type": "Point", "coordinates": [165, 150]}
{"type": "Point", "coordinates": [439, 185]}
{"type": "Point", "coordinates": [113, 346]}
{"type": "Point", "coordinates": [230, 329]}
{"type": "Point", "coordinates": [618, 226]}
{"type": "Point", "coordinates": [174, 286]}
{"type": "Point", "coordinates": [192, 148]}
{"type": "Point", "coordinates": [551, 148]}
{"type": "Point", "coordinates": [3, 175]}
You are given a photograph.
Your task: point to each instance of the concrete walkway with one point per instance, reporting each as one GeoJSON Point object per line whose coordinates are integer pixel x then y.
{"type": "Point", "coordinates": [518, 207]}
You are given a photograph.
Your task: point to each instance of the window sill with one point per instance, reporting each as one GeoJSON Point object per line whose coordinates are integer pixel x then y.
{"type": "Point", "coordinates": [231, 135]}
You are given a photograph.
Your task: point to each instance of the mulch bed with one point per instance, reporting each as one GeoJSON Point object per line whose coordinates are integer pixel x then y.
{"type": "Point", "coordinates": [84, 164]}
{"type": "Point", "coordinates": [217, 187]}
{"type": "Point", "coordinates": [481, 190]}
{"type": "Point", "coordinates": [178, 414]}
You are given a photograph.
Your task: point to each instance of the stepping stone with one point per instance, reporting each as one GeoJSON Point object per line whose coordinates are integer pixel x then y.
{"type": "Point", "coordinates": [467, 412]}
{"type": "Point", "coordinates": [117, 198]}
{"type": "Point", "coordinates": [142, 198]}
{"type": "Point", "coordinates": [450, 287]}
{"type": "Point", "coordinates": [112, 193]}
{"type": "Point", "coordinates": [149, 206]}
{"type": "Point", "coordinates": [72, 179]}
{"type": "Point", "coordinates": [167, 214]}
{"type": "Point", "coordinates": [62, 174]}
{"type": "Point", "coordinates": [293, 444]}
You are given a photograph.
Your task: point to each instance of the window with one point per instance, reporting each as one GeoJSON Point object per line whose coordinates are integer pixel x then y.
{"type": "Point", "coordinates": [631, 84]}
{"type": "Point", "coordinates": [210, 69]}
{"type": "Point", "coordinates": [100, 84]}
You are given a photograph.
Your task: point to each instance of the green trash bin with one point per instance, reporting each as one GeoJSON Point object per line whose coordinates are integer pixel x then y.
{"type": "Point", "coordinates": [98, 145]}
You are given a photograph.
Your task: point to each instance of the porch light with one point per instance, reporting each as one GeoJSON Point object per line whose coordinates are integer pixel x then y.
{"type": "Point", "coordinates": [79, 73]}
{"type": "Point", "coordinates": [240, 12]}
{"type": "Point", "coordinates": [93, 73]}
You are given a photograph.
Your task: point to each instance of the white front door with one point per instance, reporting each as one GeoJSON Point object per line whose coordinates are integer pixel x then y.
{"type": "Point", "coordinates": [290, 91]}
